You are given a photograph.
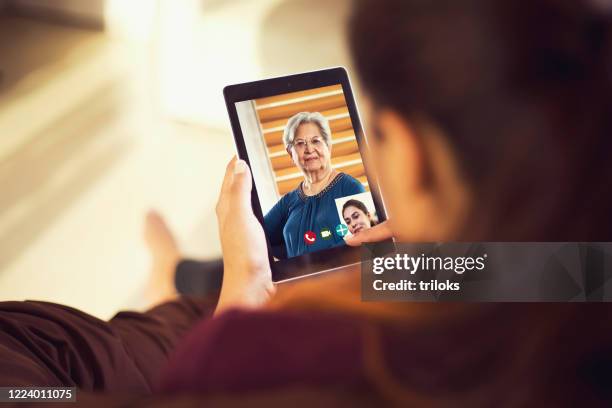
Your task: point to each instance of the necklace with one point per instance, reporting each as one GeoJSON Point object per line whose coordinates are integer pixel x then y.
{"type": "Point", "coordinates": [327, 180]}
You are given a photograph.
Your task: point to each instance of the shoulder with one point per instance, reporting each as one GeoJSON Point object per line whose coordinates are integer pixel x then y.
{"type": "Point", "coordinates": [291, 198]}
{"type": "Point", "coordinates": [241, 349]}
{"type": "Point", "coordinates": [350, 184]}
{"type": "Point", "coordinates": [286, 201]}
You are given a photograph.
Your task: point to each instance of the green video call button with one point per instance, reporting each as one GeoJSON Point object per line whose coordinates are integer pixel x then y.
{"type": "Point", "coordinates": [326, 233]}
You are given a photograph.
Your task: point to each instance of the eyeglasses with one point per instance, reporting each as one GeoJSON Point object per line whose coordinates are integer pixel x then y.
{"type": "Point", "coordinates": [300, 144]}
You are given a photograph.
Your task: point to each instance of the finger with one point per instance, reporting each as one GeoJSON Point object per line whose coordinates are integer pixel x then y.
{"type": "Point", "coordinates": [241, 184]}
{"type": "Point", "coordinates": [225, 187]}
{"type": "Point", "coordinates": [229, 176]}
{"type": "Point", "coordinates": [377, 233]}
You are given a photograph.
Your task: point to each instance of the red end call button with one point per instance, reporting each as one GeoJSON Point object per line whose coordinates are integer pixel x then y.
{"type": "Point", "coordinates": [310, 237]}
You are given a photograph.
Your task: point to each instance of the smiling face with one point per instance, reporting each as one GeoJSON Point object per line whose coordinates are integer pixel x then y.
{"type": "Point", "coordinates": [356, 219]}
{"type": "Point", "coordinates": [309, 150]}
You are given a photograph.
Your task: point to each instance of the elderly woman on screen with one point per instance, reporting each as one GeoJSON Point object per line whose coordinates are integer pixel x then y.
{"type": "Point", "coordinates": [305, 219]}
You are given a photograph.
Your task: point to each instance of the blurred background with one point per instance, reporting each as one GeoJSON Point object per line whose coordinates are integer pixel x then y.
{"type": "Point", "coordinates": [111, 107]}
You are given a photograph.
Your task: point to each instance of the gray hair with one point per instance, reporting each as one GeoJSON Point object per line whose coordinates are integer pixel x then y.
{"type": "Point", "coordinates": [306, 117]}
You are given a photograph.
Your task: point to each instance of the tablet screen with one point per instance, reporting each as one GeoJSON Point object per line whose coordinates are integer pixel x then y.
{"type": "Point", "coordinates": [303, 145]}
{"type": "Point", "coordinates": [291, 139]}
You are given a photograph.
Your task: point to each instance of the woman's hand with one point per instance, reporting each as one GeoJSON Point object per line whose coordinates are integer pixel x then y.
{"type": "Point", "coordinates": [247, 279]}
{"type": "Point", "coordinates": [377, 233]}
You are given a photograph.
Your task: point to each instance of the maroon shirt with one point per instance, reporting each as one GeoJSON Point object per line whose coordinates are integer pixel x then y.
{"type": "Point", "coordinates": [46, 344]}
{"type": "Point", "coordinates": [487, 355]}
{"type": "Point", "coordinates": [245, 351]}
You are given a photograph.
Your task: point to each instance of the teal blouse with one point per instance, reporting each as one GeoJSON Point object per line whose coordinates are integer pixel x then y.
{"type": "Point", "coordinates": [295, 214]}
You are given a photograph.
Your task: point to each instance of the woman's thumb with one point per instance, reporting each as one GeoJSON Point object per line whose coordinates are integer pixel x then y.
{"type": "Point", "coordinates": [241, 183]}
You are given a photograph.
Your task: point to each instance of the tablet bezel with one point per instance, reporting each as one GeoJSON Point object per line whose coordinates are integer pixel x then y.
{"type": "Point", "coordinates": [332, 258]}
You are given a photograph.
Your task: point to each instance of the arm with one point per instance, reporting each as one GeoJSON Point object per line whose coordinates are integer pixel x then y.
{"type": "Point", "coordinates": [352, 186]}
{"type": "Point", "coordinates": [274, 222]}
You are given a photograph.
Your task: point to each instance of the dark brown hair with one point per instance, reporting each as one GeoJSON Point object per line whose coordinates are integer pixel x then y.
{"type": "Point", "coordinates": [523, 92]}
{"type": "Point", "coordinates": [360, 205]}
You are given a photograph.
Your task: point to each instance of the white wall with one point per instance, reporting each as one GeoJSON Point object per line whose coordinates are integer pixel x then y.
{"type": "Point", "coordinates": [258, 155]}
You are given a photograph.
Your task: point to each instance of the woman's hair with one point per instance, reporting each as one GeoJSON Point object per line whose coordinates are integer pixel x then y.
{"type": "Point", "coordinates": [522, 91]}
{"type": "Point", "coordinates": [296, 120]}
{"type": "Point", "coordinates": [360, 205]}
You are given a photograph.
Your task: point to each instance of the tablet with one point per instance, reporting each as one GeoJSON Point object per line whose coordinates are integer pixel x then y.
{"type": "Point", "coordinates": [295, 128]}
